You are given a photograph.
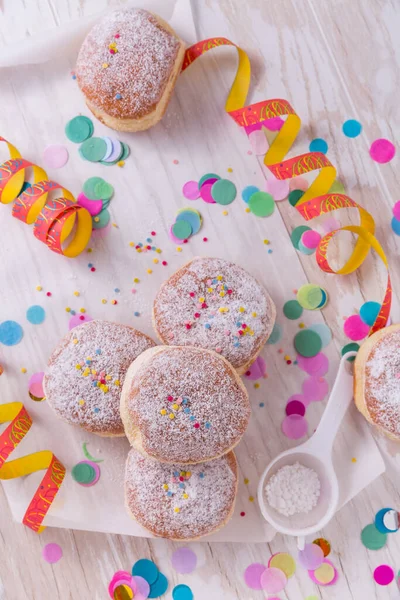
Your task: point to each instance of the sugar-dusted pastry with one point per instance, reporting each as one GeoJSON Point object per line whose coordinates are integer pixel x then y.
{"type": "Point", "coordinates": [377, 380]}
{"type": "Point", "coordinates": [176, 503]}
{"type": "Point", "coordinates": [184, 405]}
{"type": "Point", "coordinates": [86, 371]}
{"type": "Point", "coordinates": [127, 68]}
{"type": "Point", "coordinates": [212, 303]}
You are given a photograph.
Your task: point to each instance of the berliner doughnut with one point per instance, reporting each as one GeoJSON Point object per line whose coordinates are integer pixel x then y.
{"type": "Point", "coordinates": [127, 68]}
{"type": "Point", "coordinates": [86, 371]}
{"type": "Point", "coordinates": [212, 303]}
{"type": "Point", "coordinates": [178, 504]}
{"type": "Point", "coordinates": [185, 405]}
{"type": "Point", "coordinates": [377, 380]}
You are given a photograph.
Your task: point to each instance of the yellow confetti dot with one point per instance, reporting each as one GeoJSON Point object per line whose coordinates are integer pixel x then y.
{"type": "Point", "coordinates": [219, 277]}
{"type": "Point", "coordinates": [105, 388]}
{"type": "Point", "coordinates": [185, 496]}
{"type": "Point", "coordinates": [82, 310]}
{"type": "Point", "coordinates": [23, 370]}
{"type": "Point", "coordinates": [301, 325]}
{"type": "Point", "coordinates": [81, 402]}
{"type": "Point", "coordinates": [158, 250]}
{"type": "Point", "coordinates": [251, 499]}
{"type": "Point", "coordinates": [175, 406]}
{"type": "Point", "coordinates": [94, 372]}
{"type": "Point", "coordinates": [67, 309]}
{"type": "Point", "coordinates": [96, 219]}
{"type": "Point", "coordinates": [247, 210]}
{"type": "Point", "coordinates": [136, 280]}
{"type": "Point", "coordinates": [163, 411]}
{"type": "Point", "coordinates": [286, 357]}
{"type": "Point", "coordinates": [171, 416]}
{"type": "Point", "coordinates": [108, 377]}
{"type": "Point", "coordinates": [253, 314]}
{"type": "Point", "coordinates": [230, 170]}
{"type": "Point", "coordinates": [104, 301]}
{"type": "Point", "coordinates": [131, 244]}
{"type": "Point", "coordinates": [120, 163]}
{"type": "Point", "coordinates": [241, 309]}
{"type": "Point", "coordinates": [75, 341]}
{"type": "Point", "coordinates": [353, 460]}
{"type": "Point", "coordinates": [115, 225]}
{"type": "Point", "coordinates": [89, 250]}
{"type": "Point", "coordinates": [256, 386]}
{"type": "Point", "coordinates": [165, 486]}
{"type": "Point", "coordinates": [182, 473]}
{"type": "Point", "coordinates": [179, 249]}
{"type": "Point", "coordinates": [188, 474]}
{"type": "Point", "coordinates": [246, 481]}
{"type": "Point", "coordinates": [76, 293]}
{"type": "Point", "coordinates": [78, 367]}
{"type": "Point", "coordinates": [224, 212]}
{"type": "Point", "coordinates": [39, 288]}
{"type": "Point", "coordinates": [105, 65]}
{"type": "Point", "coordinates": [117, 382]}
{"type": "Point", "coordinates": [149, 271]}
{"type": "Point", "coordinates": [155, 261]}
{"type": "Point", "coordinates": [266, 242]}
{"type": "Point", "coordinates": [210, 290]}
{"type": "Point", "coordinates": [222, 293]}
{"type": "Point", "coordinates": [177, 509]}
{"type": "Point", "coordinates": [201, 299]}
{"type": "Point", "coordinates": [138, 250]}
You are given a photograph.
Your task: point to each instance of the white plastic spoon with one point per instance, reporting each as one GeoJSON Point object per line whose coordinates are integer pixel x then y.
{"type": "Point", "coordinates": [316, 454]}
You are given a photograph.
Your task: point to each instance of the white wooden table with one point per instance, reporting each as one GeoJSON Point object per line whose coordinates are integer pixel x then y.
{"type": "Point", "coordinates": [333, 60]}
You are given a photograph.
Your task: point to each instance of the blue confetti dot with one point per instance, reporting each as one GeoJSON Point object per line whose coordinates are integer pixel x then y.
{"type": "Point", "coordinates": [270, 251]}
{"type": "Point", "coordinates": [248, 192]}
{"type": "Point", "coordinates": [169, 494]}
{"type": "Point", "coordinates": [90, 265]}
{"type": "Point", "coordinates": [73, 312]}
{"type": "Point", "coordinates": [186, 411]}
{"type": "Point", "coordinates": [136, 313]}
{"type": "Point", "coordinates": [208, 425]}
{"type": "Point", "coordinates": [98, 351]}
{"type": "Point", "coordinates": [352, 128]}
{"type": "Point", "coordinates": [182, 592]}
{"type": "Point", "coordinates": [207, 326]}
{"type": "Point", "coordinates": [149, 240]}
{"type": "Point", "coordinates": [140, 245]}
{"type": "Point", "coordinates": [153, 248]}
{"type": "Point", "coordinates": [261, 404]}
{"type": "Point", "coordinates": [94, 384]}
{"type": "Point", "coordinates": [201, 475]}
{"type": "Point", "coordinates": [176, 473]}
{"type": "Point", "coordinates": [185, 401]}
{"type": "Point", "coordinates": [396, 226]}
{"type": "Point", "coordinates": [116, 290]}
{"type": "Point", "coordinates": [73, 76]}
{"type": "Point", "coordinates": [35, 314]}
{"type": "Point", "coordinates": [192, 418]}
{"type": "Point", "coordinates": [11, 333]}
{"type": "Point", "coordinates": [182, 486]}
{"type": "Point", "coordinates": [369, 311]}
{"type": "Point", "coordinates": [96, 410]}
{"type": "Point", "coordinates": [118, 96]}
{"type": "Point", "coordinates": [159, 587]}
{"type": "Point", "coordinates": [147, 569]}
{"type": "Point", "coordinates": [319, 145]}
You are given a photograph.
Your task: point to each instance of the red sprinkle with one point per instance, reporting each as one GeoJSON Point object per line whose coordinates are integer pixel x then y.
{"type": "Point", "coordinates": [191, 294]}
{"type": "Point", "coordinates": [153, 233]}
{"type": "Point", "coordinates": [185, 241]}
{"type": "Point", "coordinates": [248, 373]}
{"type": "Point", "coordinates": [102, 380]}
{"type": "Point", "coordinates": [170, 398]}
{"type": "Point", "coordinates": [288, 362]}
{"type": "Point", "coordinates": [240, 332]}
{"type": "Point", "coordinates": [81, 317]}
{"type": "Point", "coordinates": [244, 325]}
{"type": "Point", "coordinates": [229, 291]}
{"type": "Point", "coordinates": [48, 294]}
{"type": "Point", "coordinates": [164, 262]}
{"type": "Point", "coordinates": [181, 478]}
{"type": "Point", "coordinates": [188, 326]}
{"type": "Point", "coordinates": [205, 239]}
{"type": "Point", "coordinates": [196, 315]}
{"type": "Point", "coordinates": [93, 269]}
{"type": "Point", "coordinates": [116, 35]}
{"type": "Point", "coordinates": [196, 425]}
{"type": "Point", "coordinates": [204, 305]}
{"type": "Point", "coordinates": [242, 514]}
{"type": "Point", "coordinates": [148, 247]}
{"type": "Point", "coordinates": [112, 51]}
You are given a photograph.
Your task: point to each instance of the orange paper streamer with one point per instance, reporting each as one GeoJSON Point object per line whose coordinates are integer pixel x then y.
{"type": "Point", "coordinates": [316, 200]}
{"type": "Point", "coordinates": [12, 436]}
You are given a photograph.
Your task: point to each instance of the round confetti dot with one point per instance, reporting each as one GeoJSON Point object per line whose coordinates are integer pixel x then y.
{"type": "Point", "coordinates": [147, 569]}
{"type": "Point", "coordinates": [123, 592]}
{"type": "Point", "coordinates": [35, 385]}
{"type": "Point", "coordinates": [383, 575]}
{"type": "Point", "coordinates": [252, 575]}
{"type": "Point", "coordinates": [351, 128]}
{"type": "Point", "coordinates": [355, 328]}
{"type": "Point", "coordinates": [396, 210]}
{"type": "Point", "coordinates": [310, 296]}
{"type": "Point", "coordinates": [223, 191]}
{"type": "Point", "coordinates": [372, 538]}
{"type": "Point", "coordinates": [315, 389]}
{"type": "Point", "coordinates": [205, 193]}
{"type": "Point", "coordinates": [159, 587]}
{"type": "Point", "coordinates": [182, 592]}
{"type": "Point", "coordinates": [395, 224]}
{"type": "Point", "coordinates": [208, 176]}
{"type": "Point", "coordinates": [101, 220]}
{"type": "Point", "coordinates": [142, 587]}
{"type": "Point", "coordinates": [324, 545]}
{"type": "Point", "coordinates": [325, 574]}
{"type": "Point", "coordinates": [318, 145]}
{"type": "Point", "coordinates": [307, 343]}
{"type": "Point", "coordinates": [84, 472]}
{"type": "Point", "coordinates": [184, 560]}
{"type": "Point", "coordinates": [55, 156]}
{"type": "Point", "coordinates": [248, 192]}
{"type": "Point", "coordinates": [192, 217]}
{"type": "Point", "coordinates": [295, 196]}
{"type": "Point", "coordinates": [278, 188]}
{"type": "Point", "coordinates": [292, 310]}
{"type": "Point", "coordinates": [295, 407]}
{"type": "Point", "coordinates": [89, 187]}
{"type": "Point", "coordinates": [261, 204]}
{"type": "Point", "coordinates": [294, 427]}
{"type": "Point", "coordinates": [391, 520]}
{"type": "Point", "coordinates": [323, 331]}
{"type": "Point", "coordinates": [380, 523]}
{"type": "Point", "coordinates": [79, 129]}
{"type": "Point", "coordinates": [273, 580]}
{"type": "Point", "coordinates": [259, 143]}
{"type": "Point", "coordinates": [78, 320]}
{"type": "Point", "coordinates": [311, 557]}
{"type": "Point", "coordinates": [94, 149]}
{"type": "Point", "coordinates": [52, 553]}
{"type": "Point", "coordinates": [191, 190]}
{"type": "Point", "coordinates": [298, 183]}
{"type": "Point", "coordinates": [257, 370]}
{"type": "Point", "coordinates": [276, 334]}
{"type": "Point", "coordinates": [11, 333]}
{"type": "Point", "coordinates": [382, 151]}
{"type": "Point", "coordinates": [285, 562]}
{"type": "Point", "coordinates": [310, 239]}
{"type": "Point", "coordinates": [274, 124]}
{"type": "Point", "coordinates": [307, 251]}
{"type": "Point", "coordinates": [317, 365]}
{"type": "Point", "coordinates": [93, 206]}
{"type": "Point", "coordinates": [103, 190]}
{"type": "Point", "coordinates": [36, 315]}
{"type": "Point", "coordinates": [369, 312]}
{"type": "Point", "coordinates": [353, 347]}
{"type": "Point", "coordinates": [182, 230]}
{"type": "Point", "coordinates": [297, 233]}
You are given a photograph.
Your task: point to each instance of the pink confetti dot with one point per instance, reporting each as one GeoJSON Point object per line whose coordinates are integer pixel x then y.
{"type": "Point", "coordinates": [355, 328]}
{"type": "Point", "coordinates": [184, 560]}
{"type": "Point", "coordinates": [252, 575]}
{"type": "Point", "coordinates": [315, 389]}
{"type": "Point", "coordinates": [55, 156]}
{"type": "Point", "coordinates": [310, 239]}
{"type": "Point", "coordinates": [52, 553]}
{"type": "Point", "coordinates": [93, 206]}
{"type": "Point", "coordinates": [396, 210]}
{"type": "Point", "coordinates": [273, 580]}
{"type": "Point", "coordinates": [311, 557]}
{"type": "Point", "coordinates": [36, 385]}
{"type": "Point", "coordinates": [313, 574]}
{"type": "Point", "coordinates": [191, 190]}
{"type": "Point", "coordinates": [274, 124]}
{"type": "Point", "coordinates": [278, 188]}
{"type": "Point", "coordinates": [317, 365]}
{"type": "Point", "coordinates": [299, 398]}
{"type": "Point", "coordinates": [205, 192]}
{"type": "Point", "coordinates": [294, 427]}
{"type": "Point", "coordinates": [382, 151]}
{"type": "Point", "coordinates": [298, 183]}
{"type": "Point", "coordinates": [259, 142]}
{"type": "Point", "coordinates": [295, 407]}
{"type": "Point", "coordinates": [78, 320]}
{"type": "Point", "coordinates": [257, 370]}
{"type": "Point", "coordinates": [383, 575]}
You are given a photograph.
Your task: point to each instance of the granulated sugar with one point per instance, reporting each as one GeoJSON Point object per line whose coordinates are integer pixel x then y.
{"type": "Point", "coordinates": [293, 489]}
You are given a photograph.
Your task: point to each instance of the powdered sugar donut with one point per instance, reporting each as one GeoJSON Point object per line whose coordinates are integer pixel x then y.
{"type": "Point", "coordinates": [127, 68]}
{"type": "Point", "coordinates": [214, 304]}
{"type": "Point", "coordinates": [184, 405]}
{"type": "Point", "coordinates": [86, 371]}
{"type": "Point", "coordinates": [377, 380]}
{"type": "Point", "coordinates": [178, 504]}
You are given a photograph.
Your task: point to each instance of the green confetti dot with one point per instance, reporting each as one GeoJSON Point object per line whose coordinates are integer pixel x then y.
{"type": "Point", "coordinates": [295, 196]}
{"type": "Point", "coordinates": [372, 538]}
{"type": "Point", "coordinates": [310, 296]}
{"type": "Point", "coordinates": [292, 310]}
{"type": "Point", "coordinates": [296, 234]}
{"type": "Point", "coordinates": [101, 220]}
{"type": "Point", "coordinates": [126, 151]}
{"type": "Point", "coordinates": [79, 129]}
{"type": "Point", "coordinates": [93, 149]}
{"type": "Point", "coordinates": [83, 473]}
{"type": "Point", "coordinates": [261, 204]}
{"type": "Point", "coordinates": [208, 176]}
{"type": "Point", "coordinates": [223, 191]}
{"type": "Point", "coordinates": [352, 347]}
{"type": "Point", "coordinates": [103, 190]}
{"type": "Point", "coordinates": [307, 343]}
{"type": "Point", "coordinates": [276, 334]}
{"type": "Point", "coordinates": [337, 187]}
{"type": "Point", "coordinates": [89, 187]}
{"type": "Point", "coordinates": [182, 230]}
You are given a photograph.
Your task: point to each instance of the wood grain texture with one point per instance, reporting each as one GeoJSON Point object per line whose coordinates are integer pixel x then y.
{"type": "Point", "coordinates": [332, 60]}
